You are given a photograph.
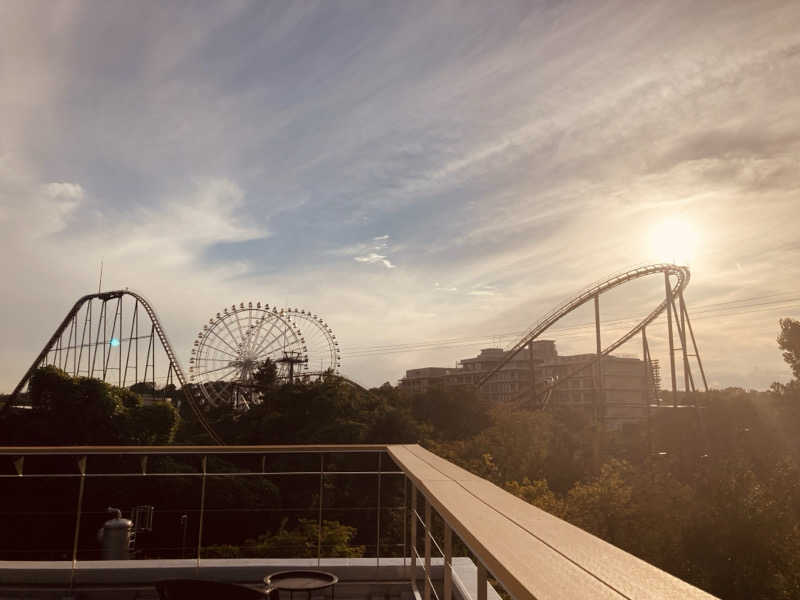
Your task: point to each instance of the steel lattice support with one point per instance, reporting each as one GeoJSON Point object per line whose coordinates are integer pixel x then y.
{"type": "Point", "coordinates": [95, 340]}
{"type": "Point", "coordinates": [679, 315]}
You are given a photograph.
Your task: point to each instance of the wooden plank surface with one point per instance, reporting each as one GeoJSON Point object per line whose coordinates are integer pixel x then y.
{"type": "Point", "coordinates": [526, 567]}
{"type": "Point", "coordinates": [542, 556]}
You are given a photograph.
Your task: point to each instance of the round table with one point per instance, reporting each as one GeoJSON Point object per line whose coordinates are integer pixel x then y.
{"type": "Point", "coordinates": [301, 581]}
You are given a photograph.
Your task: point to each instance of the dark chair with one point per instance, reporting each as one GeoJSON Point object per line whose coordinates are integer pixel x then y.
{"type": "Point", "coordinates": [196, 589]}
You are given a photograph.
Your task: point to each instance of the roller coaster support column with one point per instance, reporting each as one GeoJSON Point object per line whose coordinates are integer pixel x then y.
{"type": "Point", "coordinates": [533, 374]}
{"type": "Point", "coordinates": [599, 370]}
{"type": "Point", "coordinates": [688, 380]}
{"type": "Point", "coordinates": [694, 343]}
{"type": "Point", "coordinates": [599, 396]}
{"type": "Point", "coordinates": [646, 388]}
{"type": "Point", "coordinates": [668, 288]}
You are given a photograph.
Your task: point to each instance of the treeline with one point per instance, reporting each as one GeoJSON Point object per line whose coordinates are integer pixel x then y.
{"type": "Point", "coordinates": [710, 494]}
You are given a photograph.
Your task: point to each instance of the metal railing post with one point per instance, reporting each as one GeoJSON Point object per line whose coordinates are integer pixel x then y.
{"type": "Point", "coordinates": [378, 540]}
{"type": "Point", "coordinates": [78, 511]}
{"type": "Point", "coordinates": [319, 514]}
{"type": "Point", "coordinates": [448, 562]}
{"type": "Point", "coordinates": [481, 581]}
{"type": "Point", "coordinates": [427, 593]}
{"type": "Point", "coordinates": [405, 518]}
{"type": "Point", "coordinates": [413, 569]}
{"type": "Point", "coordinates": [204, 465]}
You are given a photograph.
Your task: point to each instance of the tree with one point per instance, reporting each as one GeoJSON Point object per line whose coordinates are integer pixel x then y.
{"type": "Point", "coordinates": [81, 410]}
{"type": "Point", "coordinates": [150, 425]}
{"type": "Point", "coordinates": [537, 493]}
{"type": "Point", "coordinates": [789, 342]}
{"type": "Point", "coordinates": [304, 540]}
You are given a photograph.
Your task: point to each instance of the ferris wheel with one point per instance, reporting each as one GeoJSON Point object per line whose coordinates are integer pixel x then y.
{"type": "Point", "coordinates": [234, 344]}
{"type": "Point", "coordinates": [322, 349]}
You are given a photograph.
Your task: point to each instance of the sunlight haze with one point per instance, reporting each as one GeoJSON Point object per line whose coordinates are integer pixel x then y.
{"type": "Point", "coordinates": [431, 178]}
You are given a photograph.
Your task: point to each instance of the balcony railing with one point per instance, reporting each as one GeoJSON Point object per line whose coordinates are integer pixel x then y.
{"type": "Point", "coordinates": [426, 511]}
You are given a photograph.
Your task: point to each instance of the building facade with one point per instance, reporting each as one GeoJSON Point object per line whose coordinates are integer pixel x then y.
{"type": "Point", "coordinates": [618, 389]}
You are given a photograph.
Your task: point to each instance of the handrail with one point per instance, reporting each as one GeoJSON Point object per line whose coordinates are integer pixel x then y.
{"type": "Point", "coordinates": [197, 450]}
{"type": "Point", "coordinates": [532, 554]}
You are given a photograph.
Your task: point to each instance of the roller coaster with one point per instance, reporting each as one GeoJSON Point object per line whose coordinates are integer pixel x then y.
{"type": "Point", "coordinates": [677, 319]}
{"type": "Point", "coordinates": [117, 336]}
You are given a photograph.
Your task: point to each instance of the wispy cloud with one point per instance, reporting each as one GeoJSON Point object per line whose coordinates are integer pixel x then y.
{"type": "Point", "coordinates": [513, 156]}
{"type": "Point", "coordinates": [373, 258]}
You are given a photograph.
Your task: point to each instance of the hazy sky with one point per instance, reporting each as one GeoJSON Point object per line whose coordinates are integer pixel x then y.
{"type": "Point", "coordinates": [411, 171]}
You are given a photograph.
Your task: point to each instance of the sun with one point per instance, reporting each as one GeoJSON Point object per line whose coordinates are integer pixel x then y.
{"type": "Point", "coordinates": [674, 240]}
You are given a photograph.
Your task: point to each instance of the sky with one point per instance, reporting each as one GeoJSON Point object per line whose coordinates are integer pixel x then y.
{"type": "Point", "coordinates": [414, 172]}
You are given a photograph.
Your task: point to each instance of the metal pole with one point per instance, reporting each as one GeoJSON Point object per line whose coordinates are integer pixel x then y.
{"type": "Point", "coordinates": [119, 347]}
{"type": "Point", "coordinates": [78, 510]}
{"type": "Point", "coordinates": [405, 518]}
{"type": "Point", "coordinates": [184, 523]}
{"type": "Point", "coordinates": [107, 359]}
{"type": "Point", "coordinates": [646, 389]}
{"type": "Point", "coordinates": [427, 593]}
{"type": "Point", "coordinates": [694, 345]}
{"type": "Point", "coordinates": [599, 401]}
{"type": "Point", "coordinates": [153, 343]}
{"type": "Point", "coordinates": [448, 562]}
{"type": "Point", "coordinates": [668, 289]}
{"type": "Point", "coordinates": [533, 373]}
{"type": "Point", "coordinates": [105, 335]}
{"type": "Point", "coordinates": [681, 323]}
{"type": "Point", "coordinates": [319, 514]}
{"type": "Point", "coordinates": [128, 354]}
{"type": "Point", "coordinates": [136, 358]}
{"type": "Point", "coordinates": [378, 540]}
{"type": "Point", "coordinates": [204, 464]}
{"type": "Point", "coordinates": [413, 534]}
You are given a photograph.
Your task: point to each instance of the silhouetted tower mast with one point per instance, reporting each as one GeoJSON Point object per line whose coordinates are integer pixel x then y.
{"type": "Point", "coordinates": [291, 359]}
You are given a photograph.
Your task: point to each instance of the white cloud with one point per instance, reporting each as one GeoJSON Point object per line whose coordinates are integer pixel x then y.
{"type": "Point", "coordinates": [373, 258]}
{"type": "Point", "coordinates": [64, 190]}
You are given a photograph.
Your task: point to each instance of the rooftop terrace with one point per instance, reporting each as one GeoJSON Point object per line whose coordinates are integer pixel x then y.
{"type": "Point", "coordinates": [439, 531]}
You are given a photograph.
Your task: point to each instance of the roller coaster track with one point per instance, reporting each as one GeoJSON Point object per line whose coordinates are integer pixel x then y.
{"type": "Point", "coordinates": [682, 276]}
{"type": "Point", "coordinates": [157, 329]}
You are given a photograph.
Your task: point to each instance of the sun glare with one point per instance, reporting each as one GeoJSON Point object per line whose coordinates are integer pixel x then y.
{"type": "Point", "coordinates": [674, 240]}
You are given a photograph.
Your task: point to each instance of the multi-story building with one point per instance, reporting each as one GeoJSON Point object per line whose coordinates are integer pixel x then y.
{"type": "Point", "coordinates": [617, 387]}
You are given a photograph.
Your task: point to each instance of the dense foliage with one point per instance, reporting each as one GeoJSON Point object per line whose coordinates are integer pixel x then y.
{"type": "Point", "coordinates": [711, 494]}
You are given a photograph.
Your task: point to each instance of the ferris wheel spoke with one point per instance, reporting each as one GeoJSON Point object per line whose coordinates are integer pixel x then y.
{"type": "Point", "coordinates": [242, 335]}
{"type": "Point", "coordinates": [233, 337]}
{"type": "Point", "coordinates": [220, 350]}
{"type": "Point", "coordinates": [260, 350]}
{"type": "Point", "coordinates": [226, 367]}
{"type": "Point", "coordinates": [224, 341]}
{"type": "Point", "coordinates": [249, 324]}
{"type": "Point", "coordinates": [256, 349]}
{"type": "Point", "coordinates": [255, 332]}
{"type": "Point", "coordinates": [266, 349]}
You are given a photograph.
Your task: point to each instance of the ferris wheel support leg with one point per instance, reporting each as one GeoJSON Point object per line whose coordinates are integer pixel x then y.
{"type": "Point", "coordinates": [668, 288]}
